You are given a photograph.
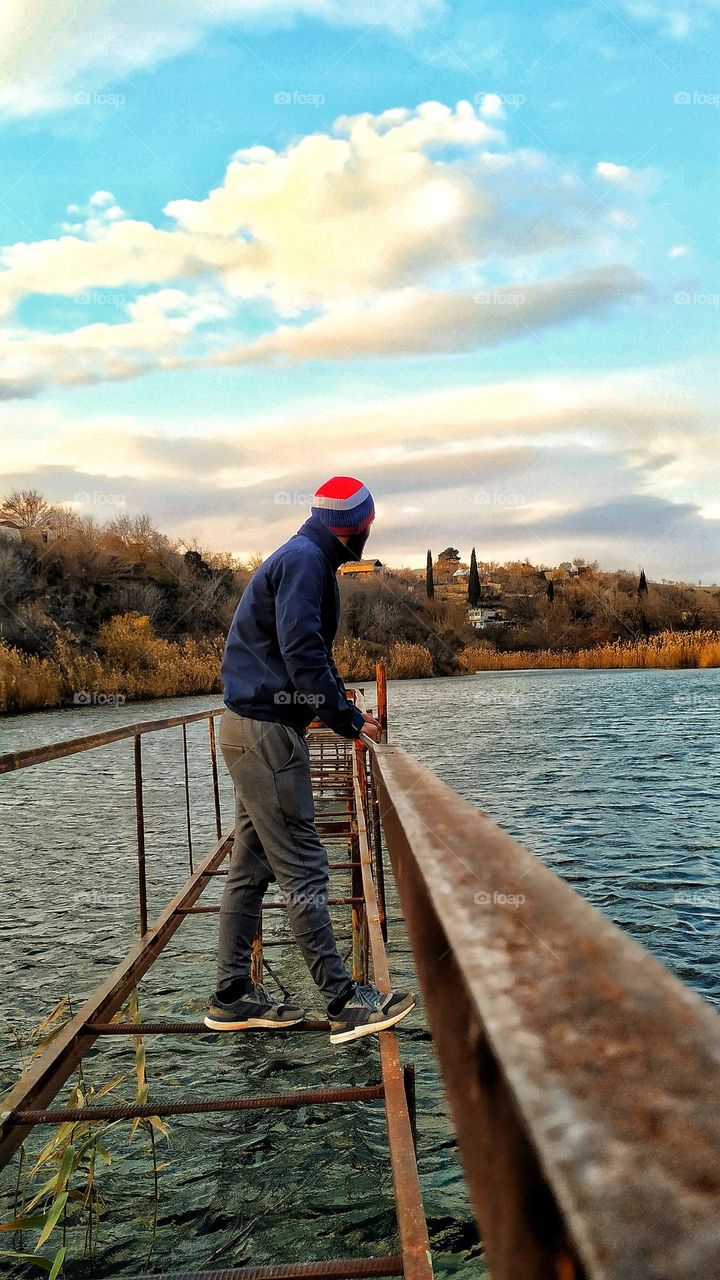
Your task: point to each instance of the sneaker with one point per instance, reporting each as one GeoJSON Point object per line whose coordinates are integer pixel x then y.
{"type": "Point", "coordinates": [255, 1009]}
{"type": "Point", "coordinates": [367, 1011]}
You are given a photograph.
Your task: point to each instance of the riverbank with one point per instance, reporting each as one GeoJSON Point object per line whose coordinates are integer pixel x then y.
{"type": "Point", "coordinates": [136, 664]}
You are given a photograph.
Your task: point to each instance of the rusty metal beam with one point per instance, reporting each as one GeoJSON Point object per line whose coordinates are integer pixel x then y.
{"type": "Point", "coordinates": [53, 1067]}
{"type": "Point", "coordinates": [197, 1106]}
{"type": "Point", "coordinates": [14, 760]}
{"type": "Point", "coordinates": [582, 1076]}
{"type": "Point", "coordinates": [335, 1269]}
{"type": "Point", "coordinates": [414, 1242]}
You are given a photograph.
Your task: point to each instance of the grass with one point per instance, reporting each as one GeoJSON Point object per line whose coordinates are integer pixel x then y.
{"type": "Point", "coordinates": [671, 650]}
{"type": "Point", "coordinates": [132, 662]}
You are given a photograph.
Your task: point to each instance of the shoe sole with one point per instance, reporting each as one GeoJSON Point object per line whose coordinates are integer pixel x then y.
{"type": "Point", "coordinates": [370, 1028]}
{"type": "Point", "coordinates": [251, 1024]}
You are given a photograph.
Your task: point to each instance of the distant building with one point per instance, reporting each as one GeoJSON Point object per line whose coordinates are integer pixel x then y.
{"type": "Point", "coordinates": [483, 617]}
{"type": "Point", "coordinates": [461, 573]}
{"type": "Point", "coordinates": [9, 531]}
{"type": "Point", "coordinates": [361, 566]}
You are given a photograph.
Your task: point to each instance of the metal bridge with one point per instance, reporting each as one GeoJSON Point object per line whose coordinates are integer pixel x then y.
{"type": "Point", "coordinates": [582, 1077]}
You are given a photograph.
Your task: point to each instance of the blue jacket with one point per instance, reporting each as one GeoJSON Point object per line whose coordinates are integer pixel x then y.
{"type": "Point", "coordinates": [278, 656]}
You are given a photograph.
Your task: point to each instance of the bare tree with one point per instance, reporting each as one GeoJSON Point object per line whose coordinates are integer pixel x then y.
{"type": "Point", "coordinates": [26, 509]}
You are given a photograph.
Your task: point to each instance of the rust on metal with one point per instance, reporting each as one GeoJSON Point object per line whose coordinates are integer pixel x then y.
{"type": "Point", "coordinates": [582, 1076]}
{"type": "Point", "coordinates": [193, 1106]}
{"type": "Point", "coordinates": [414, 1241]}
{"type": "Point", "coordinates": [342, 783]}
{"type": "Point", "coordinates": [188, 815]}
{"type": "Point", "coordinates": [140, 829]}
{"type": "Point", "coordinates": [214, 771]}
{"type": "Point", "coordinates": [13, 760]}
{"type": "Point", "coordinates": [341, 1268]}
{"type": "Point", "coordinates": [55, 1065]}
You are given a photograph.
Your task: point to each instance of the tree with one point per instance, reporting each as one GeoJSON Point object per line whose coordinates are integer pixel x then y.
{"type": "Point", "coordinates": [474, 588]}
{"type": "Point", "coordinates": [450, 553]}
{"type": "Point", "coordinates": [429, 583]}
{"type": "Point", "coordinates": [26, 509]}
{"type": "Point", "coordinates": [550, 590]}
{"type": "Point", "coordinates": [642, 587]}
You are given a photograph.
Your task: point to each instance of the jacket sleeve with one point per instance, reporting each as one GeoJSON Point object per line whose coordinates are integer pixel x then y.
{"type": "Point", "coordinates": [299, 587]}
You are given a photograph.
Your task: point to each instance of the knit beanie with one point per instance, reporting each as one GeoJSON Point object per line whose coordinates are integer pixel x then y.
{"type": "Point", "coordinates": [344, 505]}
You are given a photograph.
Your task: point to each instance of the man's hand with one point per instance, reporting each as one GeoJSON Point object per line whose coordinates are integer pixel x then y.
{"type": "Point", "coordinates": [372, 727]}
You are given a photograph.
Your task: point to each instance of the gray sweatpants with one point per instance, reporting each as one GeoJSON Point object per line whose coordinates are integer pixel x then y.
{"type": "Point", "coordinates": [275, 839]}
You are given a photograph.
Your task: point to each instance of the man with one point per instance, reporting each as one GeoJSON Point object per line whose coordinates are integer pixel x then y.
{"type": "Point", "coordinates": [278, 675]}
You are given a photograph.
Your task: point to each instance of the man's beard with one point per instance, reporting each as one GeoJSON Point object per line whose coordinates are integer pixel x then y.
{"type": "Point", "coordinates": [355, 543]}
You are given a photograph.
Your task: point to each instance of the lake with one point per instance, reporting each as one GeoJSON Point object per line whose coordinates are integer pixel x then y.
{"type": "Point", "coordinates": [610, 777]}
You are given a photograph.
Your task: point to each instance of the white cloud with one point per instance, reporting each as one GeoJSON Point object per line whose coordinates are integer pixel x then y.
{"type": "Point", "coordinates": [51, 51]}
{"type": "Point", "coordinates": [678, 251]}
{"type": "Point", "coordinates": [622, 177]}
{"type": "Point", "coordinates": [416, 320]}
{"type": "Point", "coordinates": [676, 21]}
{"type": "Point", "coordinates": [346, 236]}
{"type": "Point", "coordinates": [156, 324]}
{"type": "Point", "coordinates": [554, 467]}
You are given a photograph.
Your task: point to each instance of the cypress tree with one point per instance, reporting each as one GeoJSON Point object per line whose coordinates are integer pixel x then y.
{"type": "Point", "coordinates": [642, 588]}
{"type": "Point", "coordinates": [474, 589]}
{"type": "Point", "coordinates": [429, 583]}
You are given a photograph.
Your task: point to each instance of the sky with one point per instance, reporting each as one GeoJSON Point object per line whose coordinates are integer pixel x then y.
{"type": "Point", "coordinates": [466, 252]}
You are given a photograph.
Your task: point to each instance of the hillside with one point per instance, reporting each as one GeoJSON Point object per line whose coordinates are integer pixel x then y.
{"type": "Point", "coordinates": [100, 613]}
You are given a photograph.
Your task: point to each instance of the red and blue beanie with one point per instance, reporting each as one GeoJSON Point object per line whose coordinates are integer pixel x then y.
{"type": "Point", "coordinates": [344, 505]}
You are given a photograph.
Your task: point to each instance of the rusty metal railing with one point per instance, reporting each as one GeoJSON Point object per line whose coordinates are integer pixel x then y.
{"type": "Point", "coordinates": [347, 815]}
{"type": "Point", "coordinates": [582, 1076]}
{"type": "Point", "coordinates": [16, 760]}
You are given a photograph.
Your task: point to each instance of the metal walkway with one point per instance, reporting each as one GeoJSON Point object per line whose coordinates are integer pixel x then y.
{"type": "Point", "coordinates": [348, 822]}
{"type": "Point", "coordinates": [583, 1078]}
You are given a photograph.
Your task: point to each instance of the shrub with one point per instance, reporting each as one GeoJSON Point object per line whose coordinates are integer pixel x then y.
{"type": "Point", "coordinates": [353, 660]}
{"type": "Point", "coordinates": [407, 661]}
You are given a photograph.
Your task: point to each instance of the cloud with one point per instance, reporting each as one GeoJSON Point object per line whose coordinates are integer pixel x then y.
{"type": "Point", "coordinates": [606, 467]}
{"type": "Point", "coordinates": [414, 321]}
{"type": "Point", "coordinates": [342, 238]}
{"type": "Point", "coordinates": [389, 210]}
{"type": "Point", "coordinates": [53, 53]}
{"type": "Point", "coordinates": [622, 177]}
{"type": "Point", "coordinates": [156, 324]}
{"type": "Point", "coordinates": [678, 21]}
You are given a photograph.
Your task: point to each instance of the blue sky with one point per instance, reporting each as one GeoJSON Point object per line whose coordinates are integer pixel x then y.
{"type": "Point", "coordinates": [466, 252]}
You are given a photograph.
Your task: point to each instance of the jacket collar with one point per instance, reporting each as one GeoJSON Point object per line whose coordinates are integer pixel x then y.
{"type": "Point", "coordinates": [335, 550]}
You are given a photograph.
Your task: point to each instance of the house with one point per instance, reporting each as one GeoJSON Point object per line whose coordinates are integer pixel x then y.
{"type": "Point", "coordinates": [10, 532]}
{"type": "Point", "coordinates": [461, 573]}
{"type": "Point", "coordinates": [483, 617]}
{"type": "Point", "coordinates": [361, 566]}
